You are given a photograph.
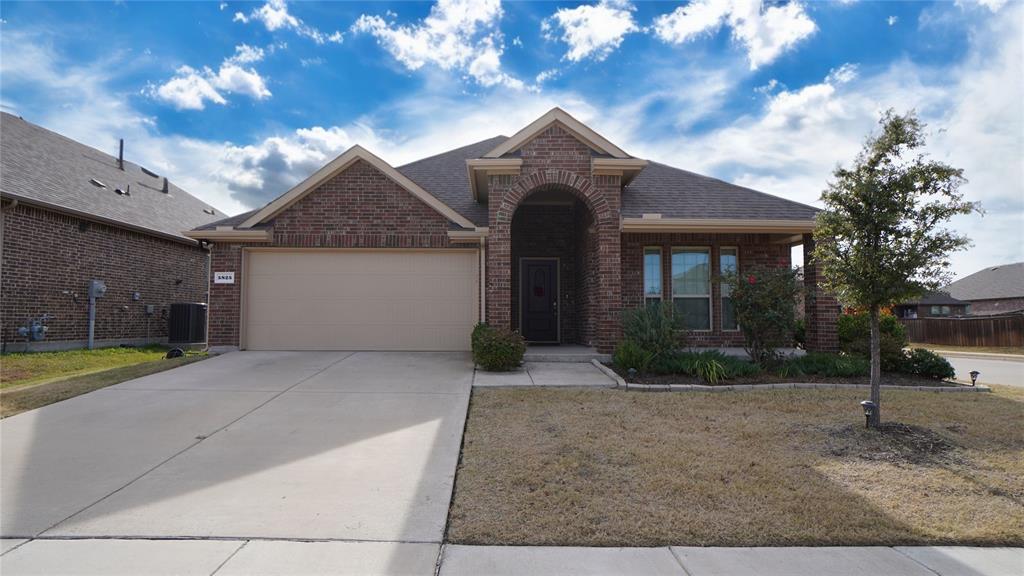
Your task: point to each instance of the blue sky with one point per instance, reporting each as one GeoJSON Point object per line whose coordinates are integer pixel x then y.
{"type": "Point", "coordinates": [237, 101]}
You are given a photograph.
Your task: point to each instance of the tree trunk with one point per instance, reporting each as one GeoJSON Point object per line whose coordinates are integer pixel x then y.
{"type": "Point", "coordinates": [876, 369]}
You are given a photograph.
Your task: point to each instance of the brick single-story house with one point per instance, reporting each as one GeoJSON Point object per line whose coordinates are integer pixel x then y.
{"type": "Point", "coordinates": [992, 290]}
{"type": "Point", "coordinates": [552, 231]}
{"type": "Point", "coordinates": [932, 304]}
{"type": "Point", "coordinates": [70, 214]}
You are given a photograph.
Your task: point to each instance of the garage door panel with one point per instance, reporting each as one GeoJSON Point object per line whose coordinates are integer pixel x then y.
{"type": "Point", "coordinates": [358, 311]}
{"type": "Point", "coordinates": [359, 337]}
{"type": "Point", "coordinates": [366, 300]}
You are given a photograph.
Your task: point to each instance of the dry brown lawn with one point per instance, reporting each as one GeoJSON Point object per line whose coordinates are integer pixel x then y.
{"type": "Point", "coordinates": [779, 467]}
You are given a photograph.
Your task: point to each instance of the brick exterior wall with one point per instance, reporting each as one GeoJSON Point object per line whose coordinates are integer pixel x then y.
{"type": "Point", "coordinates": [754, 250]}
{"type": "Point", "coordinates": [996, 306]}
{"type": "Point", "coordinates": [556, 160]}
{"type": "Point", "coordinates": [359, 208]}
{"type": "Point", "coordinates": [821, 309]}
{"type": "Point", "coordinates": [49, 259]}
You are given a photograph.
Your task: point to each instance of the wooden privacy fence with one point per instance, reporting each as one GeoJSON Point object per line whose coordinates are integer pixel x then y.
{"type": "Point", "coordinates": [967, 331]}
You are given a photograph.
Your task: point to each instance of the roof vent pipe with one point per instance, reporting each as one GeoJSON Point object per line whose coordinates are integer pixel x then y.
{"type": "Point", "coordinates": [120, 155]}
{"type": "Point", "coordinates": [166, 188]}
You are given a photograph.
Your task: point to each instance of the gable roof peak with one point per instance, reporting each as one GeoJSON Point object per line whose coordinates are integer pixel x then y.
{"type": "Point", "coordinates": [556, 115]}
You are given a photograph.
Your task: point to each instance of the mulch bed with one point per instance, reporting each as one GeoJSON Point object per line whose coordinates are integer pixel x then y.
{"type": "Point", "coordinates": [892, 379]}
{"type": "Point", "coordinates": [892, 442]}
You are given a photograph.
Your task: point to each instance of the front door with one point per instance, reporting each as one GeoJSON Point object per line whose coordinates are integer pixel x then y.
{"type": "Point", "coordinates": [538, 299]}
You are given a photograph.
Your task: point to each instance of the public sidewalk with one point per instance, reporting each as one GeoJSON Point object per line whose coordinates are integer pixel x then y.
{"type": "Point", "coordinates": [683, 561]}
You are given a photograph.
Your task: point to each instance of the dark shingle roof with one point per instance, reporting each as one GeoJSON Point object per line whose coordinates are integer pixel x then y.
{"type": "Point", "coordinates": [661, 189]}
{"type": "Point", "coordinates": [445, 176]}
{"type": "Point", "coordinates": [936, 299]}
{"type": "Point", "coordinates": [37, 165]}
{"type": "Point", "coordinates": [231, 221]}
{"type": "Point", "coordinates": [676, 193]}
{"type": "Point", "coordinates": [1006, 281]}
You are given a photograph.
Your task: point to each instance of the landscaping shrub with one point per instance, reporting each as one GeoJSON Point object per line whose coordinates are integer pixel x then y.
{"type": "Point", "coordinates": [655, 328]}
{"type": "Point", "coordinates": [710, 366]}
{"type": "Point", "coordinates": [628, 354]}
{"type": "Point", "coordinates": [854, 332]}
{"type": "Point", "coordinates": [928, 364]}
{"type": "Point", "coordinates": [825, 364]}
{"type": "Point", "coordinates": [764, 298]}
{"type": "Point", "coordinates": [497, 349]}
{"type": "Point", "coordinates": [800, 334]}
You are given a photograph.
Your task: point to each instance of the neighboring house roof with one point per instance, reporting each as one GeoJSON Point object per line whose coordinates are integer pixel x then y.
{"type": "Point", "coordinates": [41, 167]}
{"type": "Point", "coordinates": [1005, 281]}
{"type": "Point", "coordinates": [937, 298]}
{"type": "Point", "coordinates": [674, 194]}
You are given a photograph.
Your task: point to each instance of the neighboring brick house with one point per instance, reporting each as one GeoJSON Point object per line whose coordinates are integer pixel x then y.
{"type": "Point", "coordinates": [553, 232]}
{"type": "Point", "coordinates": [932, 304]}
{"type": "Point", "coordinates": [70, 214]}
{"type": "Point", "coordinates": [993, 290]}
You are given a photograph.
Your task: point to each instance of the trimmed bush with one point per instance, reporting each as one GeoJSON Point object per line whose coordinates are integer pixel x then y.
{"type": "Point", "coordinates": [710, 366]}
{"type": "Point", "coordinates": [628, 354]}
{"type": "Point", "coordinates": [825, 364]}
{"type": "Point", "coordinates": [655, 328]}
{"type": "Point", "coordinates": [854, 332]}
{"type": "Point", "coordinates": [928, 364]}
{"type": "Point", "coordinates": [497, 349]}
{"type": "Point", "coordinates": [764, 299]}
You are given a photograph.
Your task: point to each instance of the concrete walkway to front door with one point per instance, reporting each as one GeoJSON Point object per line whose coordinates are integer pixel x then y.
{"type": "Point", "coordinates": [248, 455]}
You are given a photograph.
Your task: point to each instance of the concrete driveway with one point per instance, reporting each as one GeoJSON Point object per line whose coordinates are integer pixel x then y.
{"type": "Point", "coordinates": [1007, 371]}
{"type": "Point", "coordinates": [295, 446]}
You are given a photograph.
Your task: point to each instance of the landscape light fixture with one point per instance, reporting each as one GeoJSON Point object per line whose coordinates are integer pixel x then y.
{"type": "Point", "coordinates": [869, 409]}
{"type": "Point", "coordinates": [974, 377]}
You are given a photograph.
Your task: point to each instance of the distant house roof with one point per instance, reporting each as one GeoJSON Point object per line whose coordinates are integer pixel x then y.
{"type": "Point", "coordinates": [41, 167]}
{"type": "Point", "coordinates": [937, 298]}
{"type": "Point", "coordinates": [997, 282]}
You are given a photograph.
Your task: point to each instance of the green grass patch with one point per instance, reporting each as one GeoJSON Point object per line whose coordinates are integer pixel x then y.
{"type": "Point", "coordinates": [29, 368]}
{"type": "Point", "coordinates": [16, 400]}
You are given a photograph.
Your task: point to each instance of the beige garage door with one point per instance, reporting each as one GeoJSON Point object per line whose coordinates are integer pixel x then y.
{"type": "Point", "coordinates": [360, 300]}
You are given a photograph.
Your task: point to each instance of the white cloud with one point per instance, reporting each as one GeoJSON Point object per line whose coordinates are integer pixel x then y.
{"type": "Point", "coordinates": [275, 16]}
{"type": "Point", "coordinates": [765, 32]}
{"type": "Point", "coordinates": [975, 118]}
{"type": "Point", "coordinates": [190, 89]}
{"type": "Point", "coordinates": [245, 54]}
{"type": "Point", "coordinates": [892, 20]}
{"type": "Point", "coordinates": [993, 5]}
{"type": "Point", "coordinates": [222, 6]}
{"type": "Point", "coordinates": [592, 30]}
{"type": "Point", "coordinates": [457, 35]}
{"type": "Point", "coordinates": [310, 62]}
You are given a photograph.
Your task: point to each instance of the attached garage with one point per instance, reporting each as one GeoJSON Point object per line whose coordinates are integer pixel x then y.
{"type": "Point", "coordinates": [361, 299]}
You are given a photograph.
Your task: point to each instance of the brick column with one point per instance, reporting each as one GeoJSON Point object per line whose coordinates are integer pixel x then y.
{"type": "Point", "coordinates": [499, 254]}
{"type": "Point", "coordinates": [609, 246]}
{"type": "Point", "coordinates": [821, 310]}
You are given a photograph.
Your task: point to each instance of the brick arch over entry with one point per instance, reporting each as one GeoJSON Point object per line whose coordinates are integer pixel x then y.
{"type": "Point", "coordinates": [600, 194]}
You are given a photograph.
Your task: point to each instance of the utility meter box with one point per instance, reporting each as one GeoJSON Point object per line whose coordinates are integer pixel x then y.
{"type": "Point", "coordinates": [97, 289]}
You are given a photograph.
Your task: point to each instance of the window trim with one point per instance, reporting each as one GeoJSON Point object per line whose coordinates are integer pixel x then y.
{"type": "Point", "coordinates": [710, 296]}
{"type": "Point", "coordinates": [661, 274]}
{"type": "Point", "coordinates": [721, 298]}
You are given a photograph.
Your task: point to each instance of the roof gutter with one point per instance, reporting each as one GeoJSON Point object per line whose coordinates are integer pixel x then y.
{"type": "Point", "coordinates": [17, 198]}
{"type": "Point", "coordinates": [223, 234]}
{"type": "Point", "coordinates": [475, 236]}
{"type": "Point", "coordinates": [655, 223]}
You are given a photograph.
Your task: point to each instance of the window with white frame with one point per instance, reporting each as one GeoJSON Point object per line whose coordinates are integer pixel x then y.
{"type": "Point", "coordinates": [691, 286]}
{"type": "Point", "coordinates": [728, 263]}
{"type": "Point", "coordinates": [652, 275]}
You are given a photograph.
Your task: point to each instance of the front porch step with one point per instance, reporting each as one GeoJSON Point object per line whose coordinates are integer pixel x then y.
{"type": "Point", "coordinates": [564, 353]}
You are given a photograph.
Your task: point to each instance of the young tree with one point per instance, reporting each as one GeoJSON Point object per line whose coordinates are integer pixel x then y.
{"type": "Point", "coordinates": [881, 238]}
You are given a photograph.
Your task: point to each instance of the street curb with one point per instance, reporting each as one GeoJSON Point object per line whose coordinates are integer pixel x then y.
{"type": "Point", "coordinates": [981, 355]}
{"type": "Point", "coordinates": [791, 386]}
{"type": "Point", "coordinates": [619, 382]}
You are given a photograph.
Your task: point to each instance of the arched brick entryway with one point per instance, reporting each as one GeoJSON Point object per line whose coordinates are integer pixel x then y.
{"type": "Point", "coordinates": [600, 195]}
